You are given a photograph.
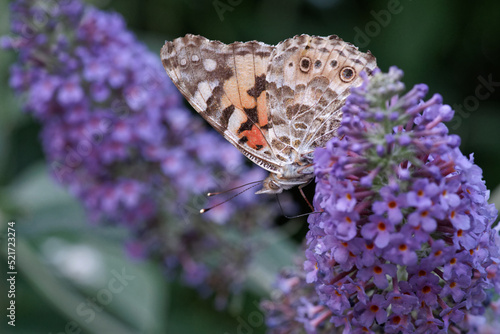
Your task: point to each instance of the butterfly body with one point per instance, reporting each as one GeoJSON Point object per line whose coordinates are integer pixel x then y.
{"type": "Point", "coordinates": [276, 104]}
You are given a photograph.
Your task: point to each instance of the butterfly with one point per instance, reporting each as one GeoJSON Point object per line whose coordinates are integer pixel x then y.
{"type": "Point", "coordinates": [276, 104]}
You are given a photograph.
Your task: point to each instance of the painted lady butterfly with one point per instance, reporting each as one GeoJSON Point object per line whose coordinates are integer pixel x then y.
{"type": "Point", "coordinates": [276, 104]}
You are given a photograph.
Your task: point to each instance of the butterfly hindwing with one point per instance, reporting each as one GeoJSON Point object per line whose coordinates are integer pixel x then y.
{"type": "Point", "coordinates": [226, 85]}
{"type": "Point", "coordinates": [309, 79]}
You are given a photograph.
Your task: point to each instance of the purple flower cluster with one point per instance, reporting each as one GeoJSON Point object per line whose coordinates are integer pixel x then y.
{"type": "Point", "coordinates": [116, 134]}
{"type": "Point", "coordinates": [295, 306]}
{"type": "Point", "coordinates": [404, 241]}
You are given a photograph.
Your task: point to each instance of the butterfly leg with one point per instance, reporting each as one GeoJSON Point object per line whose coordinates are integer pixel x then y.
{"type": "Point", "coordinates": [304, 195]}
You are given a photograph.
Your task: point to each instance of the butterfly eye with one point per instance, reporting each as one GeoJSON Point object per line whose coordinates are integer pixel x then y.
{"type": "Point", "coordinates": [273, 185]}
{"type": "Point", "coordinates": [347, 74]}
{"type": "Point", "coordinates": [305, 64]}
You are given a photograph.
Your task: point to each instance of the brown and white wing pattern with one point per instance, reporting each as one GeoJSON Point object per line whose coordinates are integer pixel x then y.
{"type": "Point", "coordinates": [276, 104]}
{"type": "Point", "coordinates": [308, 80]}
{"type": "Point", "coordinates": [226, 84]}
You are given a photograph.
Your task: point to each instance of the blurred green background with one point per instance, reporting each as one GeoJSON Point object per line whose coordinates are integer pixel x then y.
{"type": "Point", "coordinates": [453, 46]}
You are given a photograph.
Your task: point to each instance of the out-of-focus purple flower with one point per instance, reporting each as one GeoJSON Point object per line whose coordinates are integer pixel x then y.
{"type": "Point", "coordinates": [116, 134]}
{"type": "Point", "coordinates": [295, 307]}
{"type": "Point", "coordinates": [421, 252]}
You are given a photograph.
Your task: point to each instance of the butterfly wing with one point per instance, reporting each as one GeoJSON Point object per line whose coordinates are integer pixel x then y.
{"type": "Point", "coordinates": [308, 81]}
{"type": "Point", "coordinates": [226, 85]}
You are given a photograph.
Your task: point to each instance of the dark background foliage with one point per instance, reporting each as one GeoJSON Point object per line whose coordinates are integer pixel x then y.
{"type": "Point", "coordinates": [453, 46]}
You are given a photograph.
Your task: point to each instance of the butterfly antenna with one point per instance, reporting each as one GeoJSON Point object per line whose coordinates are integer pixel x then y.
{"type": "Point", "coordinates": [238, 187]}
{"type": "Point", "coordinates": [255, 183]}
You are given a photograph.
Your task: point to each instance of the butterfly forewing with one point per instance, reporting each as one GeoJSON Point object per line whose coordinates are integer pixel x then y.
{"type": "Point", "coordinates": [226, 85]}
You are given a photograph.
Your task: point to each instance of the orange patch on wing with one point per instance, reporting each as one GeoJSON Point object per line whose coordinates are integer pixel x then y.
{"type": "Point", "coordinates": [247, 101]}
{"type": "Point", "coordinates": [245, 77]}
{"type": "Point", "coordinates": [260, 65]}
{"type": "Point", "coordinates": [255, 138]}
{"type": "Point", "coordinates": [262, 110]}
{"type": "Point", "coordinates": [231, 91]}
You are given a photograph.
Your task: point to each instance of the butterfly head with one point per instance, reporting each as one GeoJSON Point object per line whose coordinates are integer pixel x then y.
{"type": "Point", "coordinates": [290, 176]}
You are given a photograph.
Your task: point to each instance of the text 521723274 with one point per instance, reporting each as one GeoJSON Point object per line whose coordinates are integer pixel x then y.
{"type": "Point", "coordinates": [11, 273]}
